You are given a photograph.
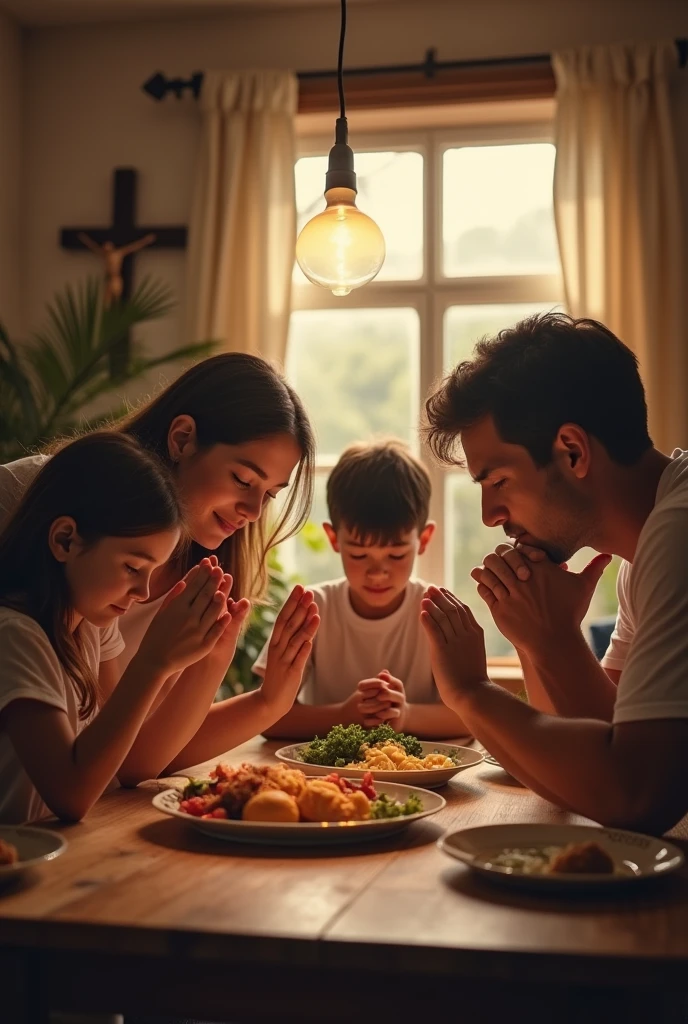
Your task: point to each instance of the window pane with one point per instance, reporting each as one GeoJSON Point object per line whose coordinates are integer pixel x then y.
{"type": "Point", "coordinates": [467, 543]}
{"type": "Point", "coordinates": [497, 210]}
{"type": "Point", "coordinates": [309, 555]}
{"type": "Point", "coordinates": [464, 325]}
{"type": "Point", "coordinates": [390, 190]}
{"type": "Point", "coordinates": [604, 603]}
{"type": "Point", "coordinates": [357, 373]}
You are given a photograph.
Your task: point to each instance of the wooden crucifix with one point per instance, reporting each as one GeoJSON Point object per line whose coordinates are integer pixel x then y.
{"type": "Point", "coordinates": [118, 244]}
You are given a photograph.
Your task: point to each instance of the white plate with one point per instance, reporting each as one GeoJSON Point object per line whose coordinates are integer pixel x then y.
{"type": "Point", "coordinates": [304, 832]}
{"type": "Point", "coordinates": [431, 778]}
{"type": "Point", "coordinates": [34, 846]}
{"type": "Point", "coordinates": [636, 857]}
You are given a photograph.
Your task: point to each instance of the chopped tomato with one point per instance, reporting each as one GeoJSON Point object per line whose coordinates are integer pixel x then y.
{"type": "Point", "coordinates": [368, 787]}
{"type": "Point", "coordinates": [195, 805]}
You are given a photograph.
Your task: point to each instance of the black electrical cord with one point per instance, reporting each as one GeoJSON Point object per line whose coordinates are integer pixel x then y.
{"type": "Point", "coordinates": [340, 61]}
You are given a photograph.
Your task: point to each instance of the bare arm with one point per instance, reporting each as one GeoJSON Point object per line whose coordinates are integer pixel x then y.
{"type": "Point", "coordinates": [174, 722]}
{"type": "Point", "coordinates": [237, 719]}
{"type": "Point", "coordinates": [568, 680]}
{"type": "Point", "coordinates": [136, 246]}
{"type": "Point", "coordinates": [89, 243]}
{"type": "Point", "coordinates": [627, 775]}
{"type": "Point", "coordinates": [69, 772]}
{"type": "Point", "coordinates": [304, 721]}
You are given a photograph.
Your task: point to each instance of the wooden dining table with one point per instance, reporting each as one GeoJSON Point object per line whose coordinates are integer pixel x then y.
{"type": "Point", "coordinates": [143, 915]}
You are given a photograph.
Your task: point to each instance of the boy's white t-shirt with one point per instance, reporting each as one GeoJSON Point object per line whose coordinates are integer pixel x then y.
{"type": "Point", "coordinates": [29, 668]}
{"type": "Point", "coordinates": [348, 648]}
{"type": "Point", "coordinates": [649, 644]}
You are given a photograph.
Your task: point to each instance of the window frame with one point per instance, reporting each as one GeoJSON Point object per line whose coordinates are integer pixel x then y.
{"type": "Point", "coordinates": [433, 293]}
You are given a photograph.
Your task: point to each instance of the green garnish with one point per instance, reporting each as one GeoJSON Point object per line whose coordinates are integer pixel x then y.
{"type": "Point", "coordinates": [196, 787]}
{"type": "Point", "coordinates": [386, 807]}
{"type": "Point", "coordinates": [343, 744]}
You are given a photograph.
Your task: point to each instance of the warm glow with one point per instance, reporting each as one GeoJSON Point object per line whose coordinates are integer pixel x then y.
{"type": "Point", "coordinates": [341, 248]}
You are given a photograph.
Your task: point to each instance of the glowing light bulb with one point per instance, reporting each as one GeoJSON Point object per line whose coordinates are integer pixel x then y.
{"type": "Point", "coordinates": [341, 248]}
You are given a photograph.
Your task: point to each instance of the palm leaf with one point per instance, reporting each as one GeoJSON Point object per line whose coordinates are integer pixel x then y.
{"type": "Point", "coordinates": [16, 396]}
{"type": "Point", "coordinates": [64, 366]}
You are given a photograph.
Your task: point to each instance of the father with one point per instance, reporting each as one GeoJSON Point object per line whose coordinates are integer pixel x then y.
{"type": "Point", "coordinates": [550, 419]}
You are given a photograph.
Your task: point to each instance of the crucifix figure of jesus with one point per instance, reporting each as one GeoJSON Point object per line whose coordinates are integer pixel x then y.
{"type": "Point", "coordinates": [113, 257]}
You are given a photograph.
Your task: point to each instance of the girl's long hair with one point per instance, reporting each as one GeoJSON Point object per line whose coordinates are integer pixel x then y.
{"type": "Point", "coordinates": [234, 398]}
{"type": "Point", "coordinates": [111, 487]}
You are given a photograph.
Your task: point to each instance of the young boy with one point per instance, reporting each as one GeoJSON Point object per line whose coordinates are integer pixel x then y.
{"type": "Point", "coordinates": [370, 661]}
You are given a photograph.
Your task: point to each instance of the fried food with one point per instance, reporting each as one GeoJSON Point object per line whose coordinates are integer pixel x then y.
{"type": "Point", "coordinates": [280, 793]}
{"type": "Point", "coordinates": [581, 859]}
{"type": "Point", "coordinates": [324, 801]}
{"type": "Point", "coordinates": [291, 780]}
{"type": "Point", "coordinates": [271, 805]}
{"type": "Point", "coordinates": [8, 853]}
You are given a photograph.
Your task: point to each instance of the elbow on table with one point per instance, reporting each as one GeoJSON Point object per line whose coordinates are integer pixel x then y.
{"type": "Point", "coordinates": [69, 810]}
{"type": "Point", "coordinates": [653, 817]}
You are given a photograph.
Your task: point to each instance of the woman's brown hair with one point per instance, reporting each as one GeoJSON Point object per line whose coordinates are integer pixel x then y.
{"type": "Point", "coordinates": [111, 487]}
{"type": "Point", "coordinates": [234, 398]}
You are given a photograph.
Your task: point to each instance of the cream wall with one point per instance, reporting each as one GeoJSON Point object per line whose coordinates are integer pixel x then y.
{"type": "Point", "coordinates": [85, 112]}
{"type": "Point", "coordinates": [11, 94]}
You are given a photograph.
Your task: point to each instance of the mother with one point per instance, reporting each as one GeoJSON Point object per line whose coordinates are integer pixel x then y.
{"type": "Point", "coordinates": [233, 432]}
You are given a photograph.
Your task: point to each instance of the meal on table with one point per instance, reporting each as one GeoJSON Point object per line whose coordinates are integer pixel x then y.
{"type": "Point", "coordinates": [574, 859]}
{"type": "Point", "coordinates": [278, 793]}
{"type": "Point", "coordinates": [8, 853]}
{"type": "Point", "coordinates": [379, 749]}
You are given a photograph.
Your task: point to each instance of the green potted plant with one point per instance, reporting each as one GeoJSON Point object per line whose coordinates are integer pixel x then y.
{"type": "Point", "coordinates": [50, 379]}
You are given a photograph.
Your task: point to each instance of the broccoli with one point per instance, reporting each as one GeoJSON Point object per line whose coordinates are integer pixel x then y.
{"type": "Point", "coordinates": [382, 733]}
{"type": "Point", "coordinates": [343, 744]}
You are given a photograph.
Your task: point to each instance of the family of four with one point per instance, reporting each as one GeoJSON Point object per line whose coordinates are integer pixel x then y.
{"type": "Point", "coordinates": [129, 559]}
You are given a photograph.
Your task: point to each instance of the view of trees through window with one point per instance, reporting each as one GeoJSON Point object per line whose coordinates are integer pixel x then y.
{"type": "Point", "coordinates": [471, 249]}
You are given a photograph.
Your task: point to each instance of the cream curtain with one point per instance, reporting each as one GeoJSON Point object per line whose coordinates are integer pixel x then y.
{"type": "Point", "coordinates": [618, 213]}
{"type": "Point", "coordinates": [243, 222]}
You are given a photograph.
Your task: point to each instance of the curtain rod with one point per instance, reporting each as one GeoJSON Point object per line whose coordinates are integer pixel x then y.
{"type": "Point", "coordinates": [159, 85]}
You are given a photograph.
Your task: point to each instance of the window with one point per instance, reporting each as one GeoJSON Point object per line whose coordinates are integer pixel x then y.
{"type": "Point", "coordinates": [471, 248]}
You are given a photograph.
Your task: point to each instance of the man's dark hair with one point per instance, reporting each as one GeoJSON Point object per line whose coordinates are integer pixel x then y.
{"type": "Point", "coordinates": [378, 491]}
{"type": "Point", "coordinates": [547, 370]}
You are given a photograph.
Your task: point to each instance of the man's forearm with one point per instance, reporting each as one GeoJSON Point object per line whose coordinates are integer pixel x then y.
{"type": "Point", "coordinates": [568, 761]}
{"type": "Point", "coordinates": [566, 679]}
{"type": "Point", "coordinates": [538, 697]}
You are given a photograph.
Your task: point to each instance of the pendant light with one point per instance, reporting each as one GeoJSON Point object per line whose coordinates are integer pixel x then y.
{"type": "Point", "coordinates": [340, 248]}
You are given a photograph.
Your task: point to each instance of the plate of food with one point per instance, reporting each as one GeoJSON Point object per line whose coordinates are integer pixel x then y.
{"type": "Point", "coordinates": [561, 856]}
{"type": "Point", "coordinates": [391, 756]}
{"type": "Point", "coordinates": [278, 804]}
{"type": "Point", "coordinates": [23, 847]}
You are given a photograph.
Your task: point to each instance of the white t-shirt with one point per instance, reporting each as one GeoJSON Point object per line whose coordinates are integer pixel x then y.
{"type": "Point", "coordinates": [15, 477]}
{"type": "Point", "coordinates": [348, 648]}
{"type": "Point", "coordinates": [650, 640]}
{"type": "Point", "coordinates": [29, 668]}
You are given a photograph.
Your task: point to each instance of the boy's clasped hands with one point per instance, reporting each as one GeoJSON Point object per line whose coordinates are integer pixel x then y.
{"type": "Point", "coordinates": [379, 700]}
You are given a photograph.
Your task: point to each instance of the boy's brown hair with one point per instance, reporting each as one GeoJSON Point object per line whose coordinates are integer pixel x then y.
{"type": "Point", "coordinates": [379, 491]}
